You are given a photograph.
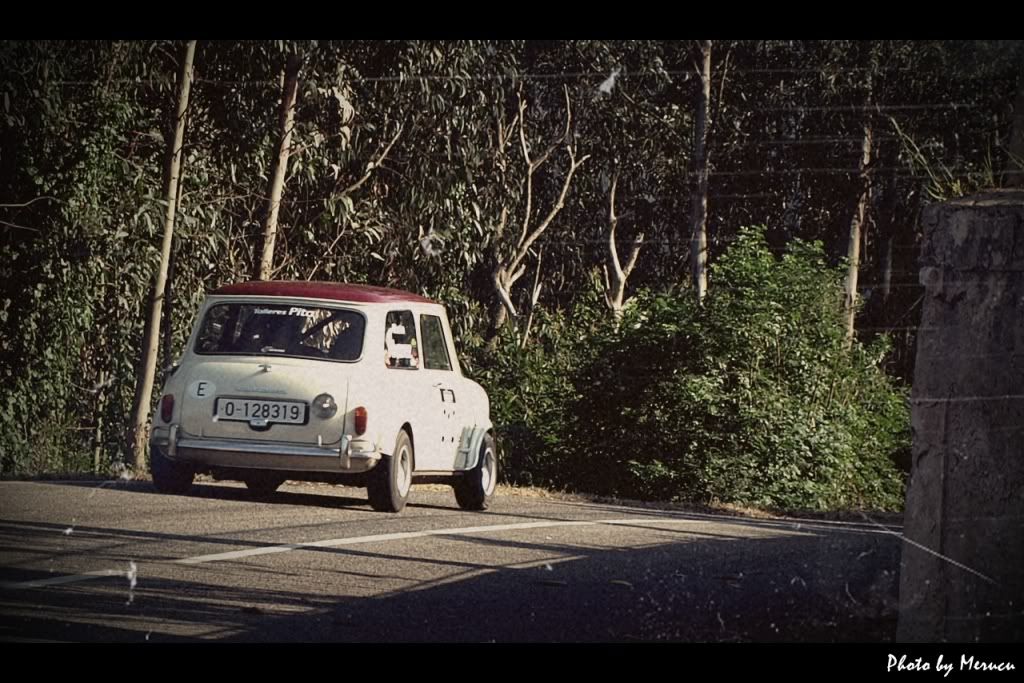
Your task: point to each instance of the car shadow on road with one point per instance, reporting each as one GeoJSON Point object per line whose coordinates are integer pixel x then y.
{"type": "Point", "coordinates": [812, 586]}
{"type": "Point", "coordinates": [340, 498]}
{"type": "Point", "coordinates": [337, 498]}
{"type": "Point", "coordinates": [219, 491]}
{"type": "Point", "coordinates": [807, 588]}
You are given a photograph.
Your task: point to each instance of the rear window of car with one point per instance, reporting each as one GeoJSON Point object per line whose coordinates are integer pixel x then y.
{"type": "Point", "coordinates": [282, 330]}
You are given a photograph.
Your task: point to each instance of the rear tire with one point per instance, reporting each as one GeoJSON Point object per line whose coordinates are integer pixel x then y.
{"type": "Point", "coordinates": [263, 484]}
{"type": "Point", "coordinates": [474, 490]}
{"type": "Point", "coordinates": [391, 480]}
{"type": "Point", "coordinates": [170, 476]}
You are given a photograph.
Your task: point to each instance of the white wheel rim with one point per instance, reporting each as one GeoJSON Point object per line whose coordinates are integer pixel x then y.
{"type": "Point", "coordinates": [487, 478]}
{"type": "Point", "coordinates": [404, 472]}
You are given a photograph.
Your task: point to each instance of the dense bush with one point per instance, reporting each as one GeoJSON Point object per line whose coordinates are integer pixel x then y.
{"type": "Point", "coordinates": [753, 398]}
{"type": "Point", "coordinates": [531, 386]}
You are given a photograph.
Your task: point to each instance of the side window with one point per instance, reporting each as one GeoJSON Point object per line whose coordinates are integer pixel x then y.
{"type": "Point", "coordinates": [400, 346]}
{"type": "Point", "coordinates": [435, 351]}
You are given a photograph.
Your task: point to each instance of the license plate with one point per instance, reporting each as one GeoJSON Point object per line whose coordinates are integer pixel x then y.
{"type": "Point", "coordinates": [259, 412]}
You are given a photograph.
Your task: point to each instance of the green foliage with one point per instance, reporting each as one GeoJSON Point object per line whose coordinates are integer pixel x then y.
{"type": "Point", "coordinates": [945, 183]}
{"type": "Point", "coordinates": [531, 387]}
{"type": "Point", "coordinates": [397, 179]}
{"type": "Point", "coordinates": [751, 399]}
{"type": "Point", "coordinates": [79, 268]}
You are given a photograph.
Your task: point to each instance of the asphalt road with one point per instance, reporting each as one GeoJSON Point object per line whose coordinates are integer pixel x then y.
{"type": "Point", "coordinates": [118, 562]}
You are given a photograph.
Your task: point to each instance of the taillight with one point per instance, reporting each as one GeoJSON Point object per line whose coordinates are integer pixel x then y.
{"type": "Point", "coordinates": [167, 407]}
{"type": "Point", "coordinates": [360, 415]}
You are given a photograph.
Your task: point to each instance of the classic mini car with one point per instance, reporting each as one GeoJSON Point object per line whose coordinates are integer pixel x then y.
{"type": "Point", "coordinates": [324, 381]}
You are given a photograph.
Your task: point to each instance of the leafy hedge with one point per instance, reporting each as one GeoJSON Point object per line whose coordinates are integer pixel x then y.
{"type": "Point", "coordinates": [752, 398]}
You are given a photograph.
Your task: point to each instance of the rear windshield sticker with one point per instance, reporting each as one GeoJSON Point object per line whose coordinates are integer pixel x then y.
{"type": "Point", "coordinates": [294, 310]}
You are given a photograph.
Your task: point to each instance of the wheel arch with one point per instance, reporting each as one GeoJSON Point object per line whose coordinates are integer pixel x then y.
{"type": "Point", "coordinates": [407, 428]}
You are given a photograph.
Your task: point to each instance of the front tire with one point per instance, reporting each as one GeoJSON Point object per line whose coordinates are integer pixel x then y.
{"type": "Point", "coordinates": [170, 476]}
{"type": "Point", "coordinates": [391, 480]}
{"type": "Point", "coordinates": [474, 490]}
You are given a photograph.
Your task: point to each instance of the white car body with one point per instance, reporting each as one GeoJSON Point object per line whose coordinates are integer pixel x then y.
{"type": "Point", "coordinates": [445, 415]}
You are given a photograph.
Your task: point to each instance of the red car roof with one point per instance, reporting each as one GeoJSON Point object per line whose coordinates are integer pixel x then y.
{"type": "Point", "coordinates": [338, 291]}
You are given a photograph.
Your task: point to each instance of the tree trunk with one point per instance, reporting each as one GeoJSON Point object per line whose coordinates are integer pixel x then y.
{"type": "Point", "coordinates": [856, 227]}
{"type": "Point", "coordinates": [857, 223]}
{"type": "Point", "coordinates": [887, 268]}
{"type": "Point", "coordinates": [888, 225]}
{"type": "Point", "coordinates": [167, 356]}
{"type": "Point", "coordinates": [699, 246]}
{"type": "Point", "coordinates": [144, 384]}
{"type": "Point", "coordinates": [289, 92]}
{"type": "Point", "coordinates": [499, 316]}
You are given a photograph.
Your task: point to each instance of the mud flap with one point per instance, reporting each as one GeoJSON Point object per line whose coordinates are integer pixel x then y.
{"type": "Point", "coordinates": [469, 447]}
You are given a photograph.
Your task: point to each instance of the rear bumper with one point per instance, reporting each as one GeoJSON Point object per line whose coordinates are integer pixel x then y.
{"type": "Point", "coordinates": [351, 456]}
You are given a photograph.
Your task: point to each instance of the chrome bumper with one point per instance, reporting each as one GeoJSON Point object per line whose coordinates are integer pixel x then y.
{"type": "Point", "coordinates": [351, 455]}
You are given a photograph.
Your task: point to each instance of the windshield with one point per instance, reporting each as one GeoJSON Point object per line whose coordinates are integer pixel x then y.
{"type": "Point", "coordinates": [282, 330]}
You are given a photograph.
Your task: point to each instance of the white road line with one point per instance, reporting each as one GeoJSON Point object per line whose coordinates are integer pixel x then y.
{"type": "Point", "coordinates": [333, 542]}
{"type": "Point", "coordinates": [396, 536]}
{"type": "Point", "coordinates": [57, 580]}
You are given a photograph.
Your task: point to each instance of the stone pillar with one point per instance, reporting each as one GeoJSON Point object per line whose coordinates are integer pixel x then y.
{"type": "Point", "coordinates": [962, 570]}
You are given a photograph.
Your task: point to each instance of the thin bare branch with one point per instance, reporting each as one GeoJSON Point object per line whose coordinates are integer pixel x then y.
{"type": "Point", "coordinates": [296, 151]}
{"type": "Point", "coordinates": [19, 227]}
{"type": "Point", "coordinates": [721, 86]}
{"type": "Point", "coordinates": [530, 168]}
{"type": "Point", "coordinates": [31, 201]}
{"type": "Point", "coordinates": [607, 286]}
{"type": "Point", "coordinates": [634, 254]}
{"type": "Point", "coordinates": [499, 286]}
{"type": "Point", "coordinates": [522, 127]}
{"type": "Point", "coordinates": [533, 300]}
{"type": "Point", "coordinates": [613, 221]}
{"type": "Point", "coordinates": [370, 167]}
{"type": "Point", "coordinates": [574, 164]}
{"type": "Point", "coordinates": [537, 284]}
{"type": "Point", "coordinates": [504, 137]}
{"type": "Point", "coordinates": [561, 138]}
{"type": "Point", "coordinates": [502, 222]}
{"type": "Point", "coordinates": [326, 254]}
{"type": "Point", "coordinates": [514, 278]}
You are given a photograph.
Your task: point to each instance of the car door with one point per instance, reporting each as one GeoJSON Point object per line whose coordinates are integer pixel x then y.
{"type": "Point", "coordinates": [439, 367]}
{"type": "Point", "coordinates": [409, 387]}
